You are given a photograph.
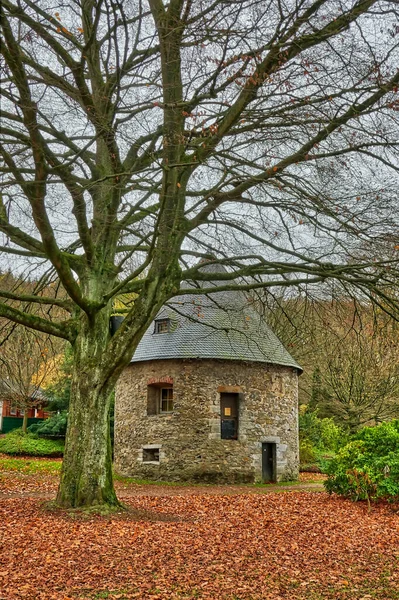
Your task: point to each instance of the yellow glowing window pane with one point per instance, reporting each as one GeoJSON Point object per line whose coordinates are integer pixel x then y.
{"type": "Point", "coordinates": [227, 412]}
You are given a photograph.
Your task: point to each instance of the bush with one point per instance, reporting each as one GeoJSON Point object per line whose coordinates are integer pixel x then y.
{"type": "Point", "coordinates": [307, 453]}
{"type": "Point", "coordinates": [319, 440]}
{"type": "Point", "coordinates": [368, 467]}
{"type": "Point", "coordinates": [55, 426]}
{"type": "Point", "coordinates": [323, 434]}
{"type": "Point", "coordinates": [29, 444]}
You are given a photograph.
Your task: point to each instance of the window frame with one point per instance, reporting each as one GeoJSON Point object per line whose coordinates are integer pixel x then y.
{"type": "Point", "coordinates": [159, 323]}
{"type": "Point", "coordinates": [151, 451]}
{"type": "Point", "coordinates": [229, 413]}
{"type": "Point", "coordinates": [169, 399]}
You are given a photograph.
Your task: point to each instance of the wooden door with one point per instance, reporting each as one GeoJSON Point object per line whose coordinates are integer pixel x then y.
{"type": "Point", "coordinates": [268, 462]}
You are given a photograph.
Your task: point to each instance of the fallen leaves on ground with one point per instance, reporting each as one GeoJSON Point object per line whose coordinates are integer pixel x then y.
{"type": "Point", "coordinates": [293, 545]}
{"type": "Point", "coordinates": [307, 477]}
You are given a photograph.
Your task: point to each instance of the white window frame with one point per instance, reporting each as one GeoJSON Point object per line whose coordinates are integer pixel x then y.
{"type": "Point", "coordinates": [168, 399]}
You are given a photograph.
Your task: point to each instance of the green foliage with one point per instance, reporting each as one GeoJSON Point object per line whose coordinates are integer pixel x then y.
{"type": "Point", "coordinates": [319, 440]}
{"type": "Point", "coordinates": [307, 453]}
{"type": "Point", "coordinates": [368, 467]}
{"type": "Point", "coordinates": [55, 426]}
{"type": "Point", "coordinates": [28, 444]}
{"type": "Point", "coordinates": [59, 393]}
{"type": "Point", "coordinates": [323, 434]}
{"type": "Point", "coordinates": [31, 467]}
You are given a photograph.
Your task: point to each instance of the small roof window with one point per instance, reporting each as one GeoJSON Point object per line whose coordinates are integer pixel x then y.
{"type": "Point", "coordinates": [162, 326]}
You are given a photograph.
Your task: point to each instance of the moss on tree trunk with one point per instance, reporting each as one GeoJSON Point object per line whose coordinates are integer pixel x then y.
{"type": "Point", "coordinates": [86, 477]}
{"type": "Point", "coordinates": [98, 360]}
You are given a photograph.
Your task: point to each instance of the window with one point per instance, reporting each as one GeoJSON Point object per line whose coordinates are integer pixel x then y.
{"type": "Point", "coordinates": [229, 416]}
{"type": "Point", "coordinates": [166, 400]}
{"type": "Point", "coordinates": [159, 398]}
{"type": "Point", "coordinates": [150, 455]}
{"type": "Point", "coordinates": [13, 410]}
{"type": "Point", "coordinates": [162, 326]}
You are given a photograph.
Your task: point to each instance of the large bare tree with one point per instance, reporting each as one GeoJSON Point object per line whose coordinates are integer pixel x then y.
{"type": "Point", "coordinates": [150, 133]}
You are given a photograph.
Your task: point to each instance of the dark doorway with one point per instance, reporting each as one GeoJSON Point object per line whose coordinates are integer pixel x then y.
{"type": "Point", "coordinates": [268, 462]}
{"type": "Point", "coordinates": [229, 416]}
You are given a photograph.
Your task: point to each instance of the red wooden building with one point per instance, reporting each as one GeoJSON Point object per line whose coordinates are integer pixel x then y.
{"type": "Point", "coordinates": [11, 407]}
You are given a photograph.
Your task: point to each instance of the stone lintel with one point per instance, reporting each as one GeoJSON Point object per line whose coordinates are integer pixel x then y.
{"type": "Point", "coordinates": [160, 380]}
{"type": "Point", "coordinates": [270, 438]}
{"type": "Point", "coordinates": [150, 446]}
{"type": "Point", "coordinates": [230, 389]}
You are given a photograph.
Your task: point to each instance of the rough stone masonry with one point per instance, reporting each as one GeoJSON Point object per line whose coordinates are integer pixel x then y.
{"type": "Point", "coordinates": [185, 443]}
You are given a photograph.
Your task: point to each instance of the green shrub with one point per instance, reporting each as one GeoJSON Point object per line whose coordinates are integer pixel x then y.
{"type": "Point", "coordinates": [332, 437]}
{"type": "Point", "coordinates": [307, 454]}
{"type": "Point", "coordinates": [368, 467]}
{"type": "Point", "coordinates": [29, 444]}
{"type": "Point", "coordinates": [323, 434]}
{"type": "Point", "coordinates": [55, 426]}
{"type": "Point", "coordinates": [319, 439]}
{"type": "Point", "coordinates": [323, 460]}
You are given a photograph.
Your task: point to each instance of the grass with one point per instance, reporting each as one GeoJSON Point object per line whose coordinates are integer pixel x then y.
{"type": "Point", "coordinates": [28, 444]}
{"type": "Point", "coordinates": [156, 482]}
{"type": "Point", "coordinates": [30, 466]}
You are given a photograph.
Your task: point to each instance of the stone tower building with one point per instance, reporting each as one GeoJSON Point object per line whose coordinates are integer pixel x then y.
{"type": "Point", "coordinates": [210, 395]}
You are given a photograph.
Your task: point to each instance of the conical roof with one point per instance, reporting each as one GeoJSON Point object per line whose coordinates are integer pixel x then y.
{"type": "Point", "coordinates": [220, 325]}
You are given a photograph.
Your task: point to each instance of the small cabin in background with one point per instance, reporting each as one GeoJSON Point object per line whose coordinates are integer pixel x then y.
{"type": "Point", "coordinates": [11, 411]}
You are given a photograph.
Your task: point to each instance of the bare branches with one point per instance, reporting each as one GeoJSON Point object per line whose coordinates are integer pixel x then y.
{"type": "Point", "coordinates": [37, 299]}
{"type": "Point", "coordinates": [64, 330]}
{"type": "Point", "coordinates": [150, 135]}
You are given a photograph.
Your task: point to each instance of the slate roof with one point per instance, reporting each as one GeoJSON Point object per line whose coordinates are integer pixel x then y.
{"type": "Point", "coordinates": [11, 389]}
{"type": "Point", "coordinates": [221, 325]}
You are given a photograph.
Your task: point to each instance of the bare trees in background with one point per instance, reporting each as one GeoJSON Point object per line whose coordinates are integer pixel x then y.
{"type": "Point", "coordinates": [28, 363]}
{"type": "Point", "coordinates": [350, 354]}
{"type": "Point", "coordinates": [153, 134]}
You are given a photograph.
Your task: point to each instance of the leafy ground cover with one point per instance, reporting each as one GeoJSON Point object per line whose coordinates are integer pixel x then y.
{"type": "Point", "coordinates": [182, 542]}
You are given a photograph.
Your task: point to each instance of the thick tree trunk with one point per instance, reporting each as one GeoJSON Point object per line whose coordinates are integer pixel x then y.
{"type": "Point", "coordinates": [86, 477]}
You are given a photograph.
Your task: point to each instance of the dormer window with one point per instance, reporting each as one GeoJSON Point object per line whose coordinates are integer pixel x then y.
{"type": "Point", "coordinates": [162, 326]}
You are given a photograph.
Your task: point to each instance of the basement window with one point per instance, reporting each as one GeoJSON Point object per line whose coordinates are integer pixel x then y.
{"type": "Point", "coordinates": [150, 455]}
{"type": "Point", "coordinates": [162, 326]}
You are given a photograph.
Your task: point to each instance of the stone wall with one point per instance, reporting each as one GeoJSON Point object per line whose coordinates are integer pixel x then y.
{"type": "Point", "coordinates": [189, 439]}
